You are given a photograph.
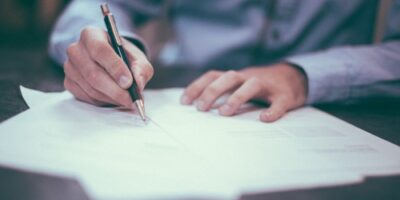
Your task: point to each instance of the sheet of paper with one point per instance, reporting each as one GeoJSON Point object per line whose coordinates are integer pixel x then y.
{"type": "Point", "coordinates": [307, 135]}
{"type": "Point", "coordinates": [34, 98]}
{"type": "Point", "coordinates": [104, 148]}
{"type": "Point", "coordinates": [185, 153]}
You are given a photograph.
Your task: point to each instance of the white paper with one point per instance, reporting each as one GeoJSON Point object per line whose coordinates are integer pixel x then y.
{"type": "Point", "coordinates": [185, 153]}
{"type": "Point", "coordinates": [34, 98]}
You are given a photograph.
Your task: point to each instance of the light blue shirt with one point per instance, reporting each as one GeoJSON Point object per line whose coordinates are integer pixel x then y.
{"type": "Point", "coordinates": [330, 39]}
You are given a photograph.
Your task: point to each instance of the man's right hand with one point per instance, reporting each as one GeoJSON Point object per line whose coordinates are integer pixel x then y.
{"type": "Point", "coordinates": [94, 73]}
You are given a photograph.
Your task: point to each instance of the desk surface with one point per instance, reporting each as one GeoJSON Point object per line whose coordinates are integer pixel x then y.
{"type": "Point", "coordinates": [31, 68]}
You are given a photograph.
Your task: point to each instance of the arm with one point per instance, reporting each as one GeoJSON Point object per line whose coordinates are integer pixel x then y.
{"type": "Point", "coordinates": [345, 73]}
{"type": "Point", "coordinates": [335, 74]}
{"type": "Point", "coordinates": [352, 72]}
{"type": "Point", "coordinates": [82, 13]}
{"type": "Point", "coordinates": [94, 73]}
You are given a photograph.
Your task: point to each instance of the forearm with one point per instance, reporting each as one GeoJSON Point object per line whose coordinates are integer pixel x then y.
{"type": "Point", "coordinates": [345, 73]}
{"type": "Point", "coordinates": [80, 14]}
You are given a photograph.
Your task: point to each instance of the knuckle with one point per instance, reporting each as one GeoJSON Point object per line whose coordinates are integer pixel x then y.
{"type": "Point", "coordinates": [93, 76]}
{"type": "Point", "coordinates": [255, 82]}
{"type": "Point", "coordinates": [213, 73]}
{"type": "Point", "coordinates": [67, 67]}
{"type": "Point", "coordinates": [97, 47]}
{"type": "Point", "coordinates": [66, 64]}
{"type": "Point", "coordinates": [86, 32]}
{"type": "Point", "coordinates": [212, 90]}
{"type": "Point", "coordinates": [67, 85]}
{"type": "Point", "coordinates": [150, 70]}
{"type": "Point", "coordinates": [72, 50]}
{"type": "Point", "coordinates": [116, 67]}
{"type": "Point", "coordinates": [85, 35]}
{"type": "Point", "coordinates": [238, 98]}
{"type": "Point", "coordinates": [234, 75]}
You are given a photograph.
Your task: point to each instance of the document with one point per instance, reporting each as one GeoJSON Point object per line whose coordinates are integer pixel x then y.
{"type": "Point", "coordinates": [183, 153]}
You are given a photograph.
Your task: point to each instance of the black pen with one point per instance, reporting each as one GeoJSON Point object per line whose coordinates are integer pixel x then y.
{"type": "Point", "coordinates": [116, 42]}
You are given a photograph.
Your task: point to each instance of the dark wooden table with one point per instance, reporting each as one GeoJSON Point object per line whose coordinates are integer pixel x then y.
{"type": "Point", "coordinates": [29, 66]}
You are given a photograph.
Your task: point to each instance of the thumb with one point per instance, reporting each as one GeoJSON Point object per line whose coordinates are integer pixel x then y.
{"type": "Point", "coordinates": [142, 71]}
{"type": "Point", "coordinates": [278, 108]}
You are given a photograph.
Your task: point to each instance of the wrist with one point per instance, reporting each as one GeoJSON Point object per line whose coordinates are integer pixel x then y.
{"type": "Point", "coordinates": [298, 79]}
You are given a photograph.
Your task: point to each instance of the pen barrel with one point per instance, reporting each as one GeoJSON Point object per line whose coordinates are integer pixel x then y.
{"type": "Point", "coordinates": [112, 32]}
{"type": "Point", "coordinates": [134, 89]}
{"type": "Point", "coordinates": [134, 92]}
{"type": "Point", "coordinates": [119, 49]}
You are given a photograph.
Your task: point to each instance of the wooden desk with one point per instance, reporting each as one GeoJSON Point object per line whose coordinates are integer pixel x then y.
{"type": "Point", "coordinates": [31, 68]}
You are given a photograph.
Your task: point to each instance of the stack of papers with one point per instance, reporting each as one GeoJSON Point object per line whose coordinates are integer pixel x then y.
{"type": "Point", "coordinates": [182, 153]}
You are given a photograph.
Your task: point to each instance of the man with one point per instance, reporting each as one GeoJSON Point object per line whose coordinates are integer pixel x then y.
{"type": "Point", "coordinates": [287, 53]}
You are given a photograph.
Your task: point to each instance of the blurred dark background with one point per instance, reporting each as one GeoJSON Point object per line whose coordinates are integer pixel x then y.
{"type": "Point", "coordinates": [25, 25]}
{"type": "Point", "coordinates": [24, 29]}
{"type": "Point", "coordinates": [27, 22]}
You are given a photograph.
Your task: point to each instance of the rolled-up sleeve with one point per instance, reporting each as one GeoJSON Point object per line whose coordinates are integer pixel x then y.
{"type": "Point", "coordinates": [83, 13]}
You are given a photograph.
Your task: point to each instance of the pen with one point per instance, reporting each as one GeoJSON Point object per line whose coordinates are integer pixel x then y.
{"type": "Point", "coordinates": [116, 42]}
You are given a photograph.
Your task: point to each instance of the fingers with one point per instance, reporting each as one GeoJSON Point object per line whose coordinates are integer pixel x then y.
{"type": "Point", "coordinates": [78, 92]}
{"type": "Point", "coordinates": [96, 76]}
{"type": "Point", "coordinates": [282, 85]}
{"type": "Point", "coordinates": [96, 44]}
{"type": "Point", "coordinates": [141, 68]}
{"type": "Point", "coordinates": [226, 82]}
{"type": "Point", "coordinates": [250, 89]}
{"type": "Point", "coordinates": [95, 41]}
{"type": "Point", "coordinates": [101, 81]}
{"type": "Point", "coordinates": [73, 74]}
{"type": "Point", "coordinates": [142, 71]}
{"type": "Point", "coordinates": [194, 90]}
{"type": "Point", "coordinates": [279, 106]}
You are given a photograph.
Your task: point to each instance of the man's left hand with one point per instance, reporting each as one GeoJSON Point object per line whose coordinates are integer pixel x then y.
{"type": "Point", "coordinates": [283, 86]}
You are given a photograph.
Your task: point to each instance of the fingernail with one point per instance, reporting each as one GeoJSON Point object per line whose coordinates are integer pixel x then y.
{"type": "Point", "coordinates": [225, 109]}
{"type": "Point", "coordinates": [124, 81]}
{"type": "Point", "coordinates": [201, 106]}
{"type": "Point", "coordinates": [185, 100]}
{"type": "Point", "coordinates": [267, 115]}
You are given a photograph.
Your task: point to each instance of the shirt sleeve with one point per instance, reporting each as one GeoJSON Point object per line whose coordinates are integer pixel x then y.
{"type": "Point", "coordinates": [83, 13]}
{"type": "Point", "coordinates": [349, 72]}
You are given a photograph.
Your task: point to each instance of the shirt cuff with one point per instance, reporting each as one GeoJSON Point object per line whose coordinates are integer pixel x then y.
{"type": "Point", "coordinates": [328, 75]}
{"type": "Point", "coordinates": [137, 41]}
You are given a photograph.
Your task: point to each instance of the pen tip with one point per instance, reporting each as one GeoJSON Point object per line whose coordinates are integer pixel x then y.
{"type": "Point", "coordinates": [140, 107]}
